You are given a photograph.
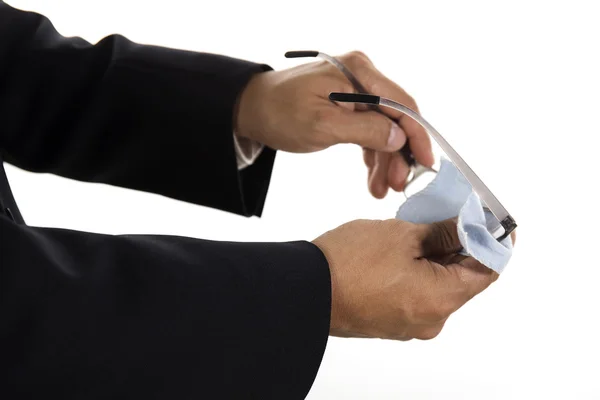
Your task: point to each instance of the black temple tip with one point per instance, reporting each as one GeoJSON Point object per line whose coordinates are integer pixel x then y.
{"type": "Point", "coordinates": [354, 98]}
{"type": "Point", "coordinates": [301, 53]}
{"type": "Point", "coordinates": [509, 226]}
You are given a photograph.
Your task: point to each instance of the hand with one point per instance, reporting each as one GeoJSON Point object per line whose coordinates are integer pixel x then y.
{"type": "Point", "coordinates": [397, 280]}
{"type": "Point", "coordinates": [290, 110]}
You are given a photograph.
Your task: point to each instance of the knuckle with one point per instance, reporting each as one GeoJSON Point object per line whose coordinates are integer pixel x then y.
{"type": "Point", "coordinates": [411, 101]}
{"type": "Point", "coordinates": [436, 313]}
{"type": "Point", "coordinates": [359, 55]}
{"type": "Point", "coordinates": [428, 333]}
{"type": "Point", "coordinates": [445, 309]}
{"type": "Point", "coordinates": [358, 59]}
{"type": "Point", "coordinates": [408, 100]}
{"type": "Point", "coordinates": [432, 310]}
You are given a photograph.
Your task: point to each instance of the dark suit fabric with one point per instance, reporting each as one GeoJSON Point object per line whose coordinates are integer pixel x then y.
{"type": "Point", "coordinates": [91, 316]}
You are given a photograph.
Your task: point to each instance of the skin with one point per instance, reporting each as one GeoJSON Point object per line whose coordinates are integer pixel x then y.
{"type": "Point", "coordinates": [390, 279]}
{"type": "Point", "coordinates": [397, 280]}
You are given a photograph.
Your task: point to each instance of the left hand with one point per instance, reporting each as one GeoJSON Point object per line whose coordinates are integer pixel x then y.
{"type": "Point", "coordinates": [393, 279]}
{"type": "Point", "coordinates": [290, 110]}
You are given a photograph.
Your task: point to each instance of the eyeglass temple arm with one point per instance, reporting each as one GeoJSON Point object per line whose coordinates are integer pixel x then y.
{"type": "Point", "coordinates": [405, 150]}
{"type": "Point", "coordinates": [357, 85]}
{"type": "Point", "coordinates": [506, 220]}
{"type": "Point", "coordinates": [492, 203]}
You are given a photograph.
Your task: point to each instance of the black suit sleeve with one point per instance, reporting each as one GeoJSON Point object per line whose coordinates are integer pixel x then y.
{"type": "Point", "coordinates": [88, 316]}
{"type": "Point", "coordinates": [120, 113]}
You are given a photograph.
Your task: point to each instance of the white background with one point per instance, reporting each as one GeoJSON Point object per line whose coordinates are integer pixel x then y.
{"type": "Point", "coordinates": [513, 85]}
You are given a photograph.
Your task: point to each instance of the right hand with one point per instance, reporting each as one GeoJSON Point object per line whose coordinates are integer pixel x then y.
{"type": "Point", "coordinates": [290, 110]}
{"type": "Point", "coordinates": [397, 280]}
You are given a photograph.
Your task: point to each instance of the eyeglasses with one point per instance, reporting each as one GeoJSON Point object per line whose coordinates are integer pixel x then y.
{"type": "Point", "coordinates": [492, 204]}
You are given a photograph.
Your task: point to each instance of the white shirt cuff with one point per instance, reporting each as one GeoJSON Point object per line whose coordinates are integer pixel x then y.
{"type": "Point", "coordinates": [246, 151]}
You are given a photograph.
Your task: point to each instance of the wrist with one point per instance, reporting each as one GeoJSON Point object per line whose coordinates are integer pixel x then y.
{"type": "Point", "coordinates": [247, 108]}
{"type": "Point", "coordinates": [336, 325]}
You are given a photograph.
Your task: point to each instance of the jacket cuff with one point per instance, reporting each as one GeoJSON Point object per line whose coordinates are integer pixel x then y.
{"type": "Point", "coordinates": [185, 111]}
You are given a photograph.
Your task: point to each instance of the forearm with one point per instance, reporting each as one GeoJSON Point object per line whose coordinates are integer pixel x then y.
{"type": "Point", "coordinates": [158, 316]}
{"type": "Point", "coordinates": [116, 112]}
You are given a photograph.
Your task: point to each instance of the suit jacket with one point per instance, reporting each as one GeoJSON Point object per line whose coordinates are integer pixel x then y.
{"type": "Point", "coordinates": [90, 316]}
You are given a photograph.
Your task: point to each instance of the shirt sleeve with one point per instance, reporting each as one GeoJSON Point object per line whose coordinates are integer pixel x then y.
{"type": "Point", "coordinates": [246, 151]}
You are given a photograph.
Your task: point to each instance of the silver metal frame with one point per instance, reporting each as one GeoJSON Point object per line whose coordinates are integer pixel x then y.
{"type": "Point", "coordinates": [484, 193]}
{"type": "Point", "coordinates": [404, 151]}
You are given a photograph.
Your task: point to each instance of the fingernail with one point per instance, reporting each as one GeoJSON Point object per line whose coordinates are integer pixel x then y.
{"type": "Point", "coordinates": [397, 137]}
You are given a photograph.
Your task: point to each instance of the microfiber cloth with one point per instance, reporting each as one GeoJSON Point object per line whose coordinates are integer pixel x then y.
{"type": "Point", "coordinates": [450, 195]}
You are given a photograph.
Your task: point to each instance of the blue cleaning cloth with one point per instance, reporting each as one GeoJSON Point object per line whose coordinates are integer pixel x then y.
{"type": "Point", "coordinates": [450, 195]}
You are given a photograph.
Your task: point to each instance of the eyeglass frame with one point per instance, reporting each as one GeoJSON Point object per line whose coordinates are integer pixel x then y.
{"type": "Point", "coordinates": [373, 102]}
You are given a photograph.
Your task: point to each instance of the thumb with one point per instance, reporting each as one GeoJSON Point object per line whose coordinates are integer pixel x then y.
{"type": "Point", "coordinates": [439, 238]}
{"type": "Point", "coordinates": [472, 276]}
{"type": "Point", "coordinates": [368, 129]}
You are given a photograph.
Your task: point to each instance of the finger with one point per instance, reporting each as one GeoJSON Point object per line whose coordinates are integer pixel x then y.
{"type": "Point", "coordinates": [369, 158]}
{"type": "Point", "coordinates": [418, 138]}
{"type": "Point", "coordinates": [418, 141]}
{"type": "Point", "coordinates": [377, 83]}
{"type": "Point", "coordinates": [443, 259]}
{"type": "Point", "coordinates": [452, 285]}
{"type": "Point", "coordinates": [378, 183]}
{"type": "Point", "coordinates": [439, 238]}
{"type": "Point", "coordinates": [366, 128]}
{"type": "Point", "coordinates": [397, 172]}
{"type": "Point", "coordinates": [472, 276]}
